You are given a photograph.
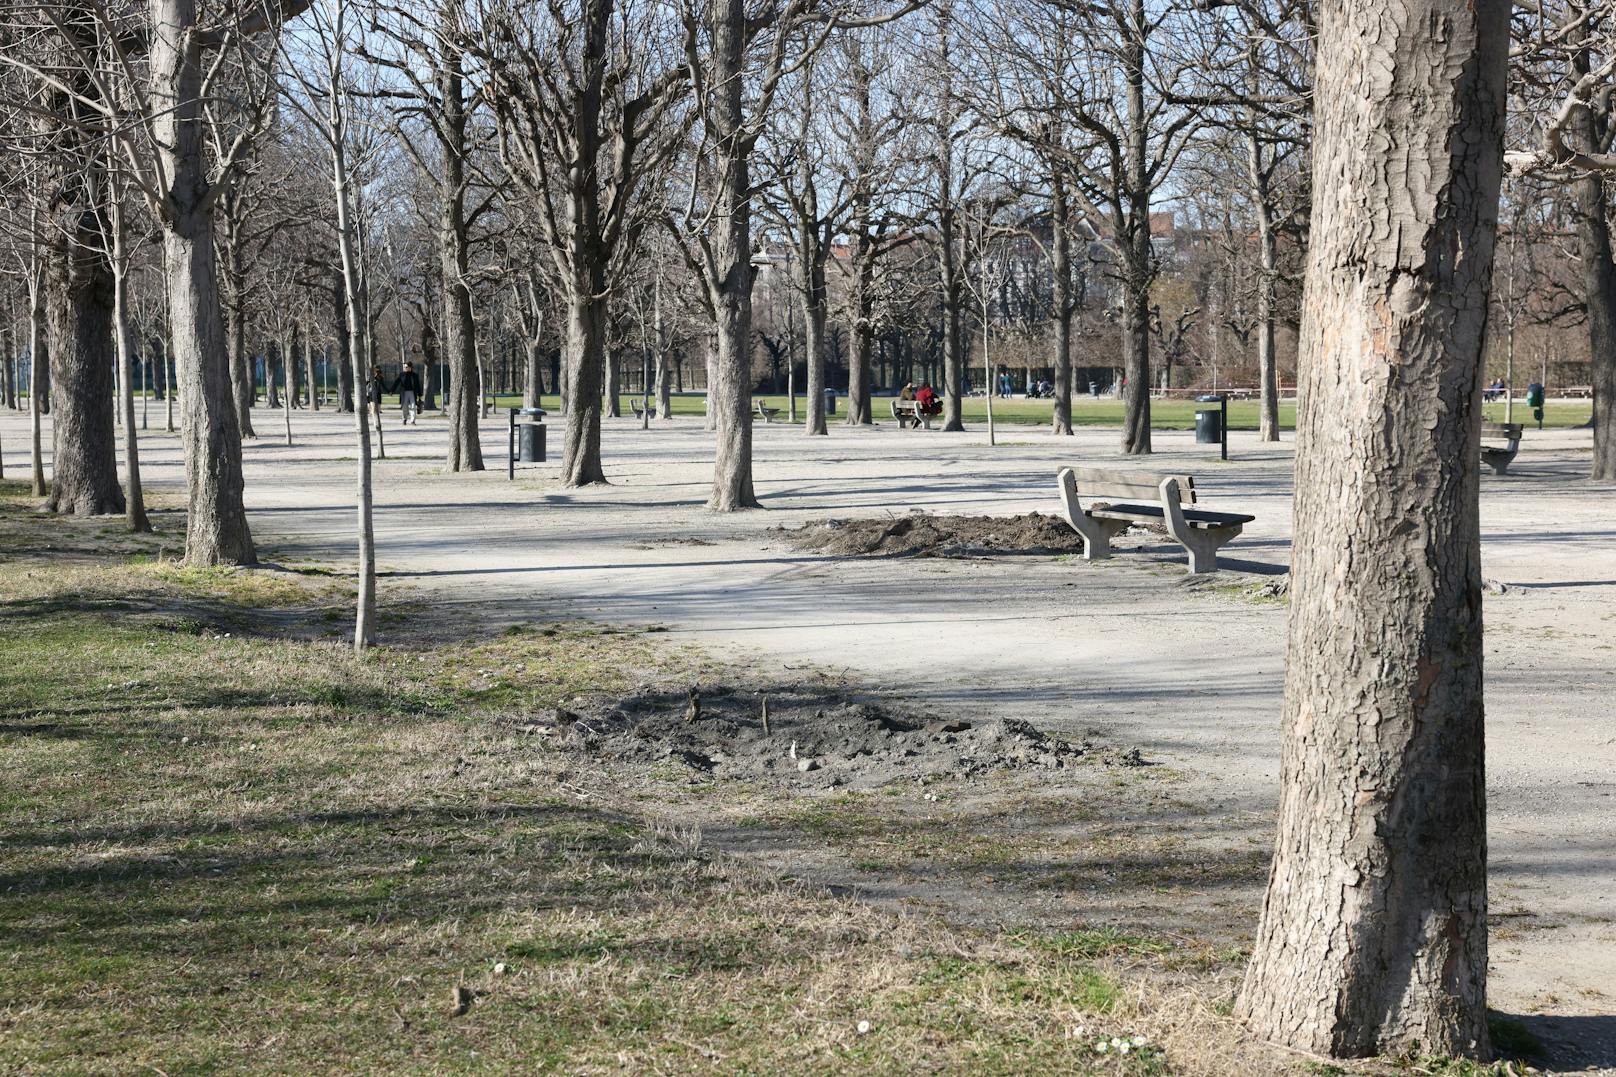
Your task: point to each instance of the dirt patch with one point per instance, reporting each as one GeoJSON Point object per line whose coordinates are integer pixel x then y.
{"type": "Point", "coordinates": [812, 739]}
{"type": "Point", "coordinates": [924, 535]}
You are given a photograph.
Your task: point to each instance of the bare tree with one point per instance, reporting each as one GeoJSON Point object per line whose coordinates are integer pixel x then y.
{"type": "Point", "coordinates": [586, 113]}
{"type": "Point", "coordinates": [1374, 930]}
{"type": "Point", "coordinates": [1567, 69]}
{"type": "Point", "coordinates": [324, 94]}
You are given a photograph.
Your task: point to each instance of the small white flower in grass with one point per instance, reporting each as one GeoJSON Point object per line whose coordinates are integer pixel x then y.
{"type": "Point", "coordinates": [1101, 1047]}
{"type": "Point", "coordinates": [1140, 1041]}
{"type": "Point", "coordinates": [863, 1027]}
{"type": "Point", "coordinates": [500, 968]}
{"type": "Point", "coordinates": [1124, 1047]}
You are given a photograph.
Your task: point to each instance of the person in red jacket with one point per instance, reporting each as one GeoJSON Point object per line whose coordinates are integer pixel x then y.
{"type": "Point", "coordinates": [927, 400]}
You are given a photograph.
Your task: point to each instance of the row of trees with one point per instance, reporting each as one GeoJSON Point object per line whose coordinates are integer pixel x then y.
{"type": "Point", "coordinates": [583, 183]}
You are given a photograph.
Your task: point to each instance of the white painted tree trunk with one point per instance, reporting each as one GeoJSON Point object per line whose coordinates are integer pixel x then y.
{"type": "Point", "coordinates": [1374, 930]}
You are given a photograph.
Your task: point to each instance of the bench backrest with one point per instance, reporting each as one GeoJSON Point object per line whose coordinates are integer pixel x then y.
{"type": "Point", "coordinates": [1119, 484]}
{"type": "Point", "coordinates": [903, 405]}
{"type": "Point", "coordinates": [1502, 431]}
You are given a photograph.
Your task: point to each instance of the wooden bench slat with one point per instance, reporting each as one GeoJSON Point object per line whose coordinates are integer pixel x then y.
{"type": "Point", "coordinates": [1197, 517]}
{"type": "Point", "coordinates": [1510, 431]}
{"type": "Point", "coordinates": [1101, 482]}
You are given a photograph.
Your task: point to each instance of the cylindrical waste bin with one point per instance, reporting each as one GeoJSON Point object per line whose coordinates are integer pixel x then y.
{"type": "Point", "coordinates": [830, 401]}
{"type": "Point", "coordinates": [1209, 420]}
{"type": "Point", "coordinates": [532, 442]}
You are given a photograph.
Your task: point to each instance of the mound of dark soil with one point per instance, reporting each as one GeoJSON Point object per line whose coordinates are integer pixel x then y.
{"type": "Point", "coordinates": [812, 739]}
{"type": "Point", "coordinates": [924, 535]}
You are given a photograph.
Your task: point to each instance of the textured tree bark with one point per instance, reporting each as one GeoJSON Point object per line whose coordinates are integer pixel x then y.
{"type": "Point", "coordinates": [1599, 283]}
{"type": "Point", "coordinates": [859, 341]}
{"type": "Point", "coordinates": [586, 340]}
{"type": "Point", "coordinates": [235, 287]}
{"type": "Point", "coordinates": [1268, 252]}
{"type": "Point", "coordinates": [1060, 264]}
{"type": "Point", "coordinates": [614, 382]}
{"type": "Point", "coordinates": [664, 388]}
{"type": "Point", "coordinates": [953, 297]}
{"type": "Point", "coordinates": [1374, 929]}
{"type": "Point", "coordinates": [729, 390]}
{"type": "Point", "coordinates": [134, 496]}
{"type": "Point", "coordinates": [1136, 360]}
{"type": "Point", "coordinates": [465, 389]}
{"type": "Point", "coordinates": [1138, 257]}
{"type": "Point", "coordinates": [310, 382]}
{"type": "Point", "coordinates": [38, 362]}
{"type": "Point", "coordinates": [216, 524]}
{"type": "Point", "coordinates": [78, 286]}
{"type": "Point", "coordinates": [814, 338]}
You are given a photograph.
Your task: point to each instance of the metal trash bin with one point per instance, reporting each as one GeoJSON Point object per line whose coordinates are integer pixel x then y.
{"type": "Point", "coordinates": [1209, 421]}
{"type": "Point", "coordinates": [830, 401]}
{"type": "Point", "coordinates": [527, 440]}
{"type": "Point", "coordinates": [531, 436]}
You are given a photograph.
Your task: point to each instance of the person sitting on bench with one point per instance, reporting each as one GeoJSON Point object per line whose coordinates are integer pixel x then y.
{"type": "Point", "coordinates": [927, 401]}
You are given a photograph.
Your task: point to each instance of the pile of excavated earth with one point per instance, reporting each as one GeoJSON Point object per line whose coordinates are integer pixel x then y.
{"type": "Point", "coordinates": [924, 535]}
{"type": "Point", "coordinates": [802, 737]}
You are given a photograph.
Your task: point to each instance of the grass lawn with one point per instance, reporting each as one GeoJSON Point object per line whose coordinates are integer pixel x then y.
{"type": "Point", "coordinates": [226, 844]}
{"type": "Point", "coordinates": [225, 848]}
{"type": "Point", "coordinates": [1164, 414]}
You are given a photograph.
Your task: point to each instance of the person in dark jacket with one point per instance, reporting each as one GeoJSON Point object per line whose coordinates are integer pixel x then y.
{"type": "Point", "coordinates": [408, 388]}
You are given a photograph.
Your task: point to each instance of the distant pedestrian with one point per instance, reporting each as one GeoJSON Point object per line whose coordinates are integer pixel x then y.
{"type": "Point", "coordinates": [409, 391]}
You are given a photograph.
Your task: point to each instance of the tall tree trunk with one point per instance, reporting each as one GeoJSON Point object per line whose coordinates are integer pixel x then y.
{"type": "Point", "coordinates": [464, 396]}
{"type": "Point", "coordinates": [235, 288]}
{"type": "Point", "coordinates": [1268, 251]}
{"type": "Point", "coordinates": [729, 389]}
{"type": "Point", "coordinates": [1598, 281]}
{"type": "Point", "coordinates": [586, 343]}
{"type": "Point", "coordinates": [533, 373]}
{"type": "Point", "coordinates": [813, 328]}
{"type": "Point", "coordinates": [1060, 264]}
{"type": "Point", "coordinates": [1374, 931]}
{"type": "Point", "coordinates": [860, 337]}
{"type": "Point", "coordinates": [216, 524]}
{"type": "Point", "coordinates": [614, 382]}
{"type": "Point", "coordinates": [134, 497]}
{"type": "Point", "coordinates": [664, 396]}
{"type": "Point", "coordinates": [1136, 359]}
{"type": "Point", "coordinates": [78, 286]}
{"type": "Point", "coordinates": [1139, 258]}
{"type": "Point", "coordinates": [38, 363]}
{"type": "Point", "coordinates": [311, 382]}
{"type": "Point", "coordinates": [953, 337]}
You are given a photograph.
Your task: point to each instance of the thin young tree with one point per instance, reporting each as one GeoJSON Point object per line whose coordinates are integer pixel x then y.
{"type": "Point", "coordinates": [324, 93]}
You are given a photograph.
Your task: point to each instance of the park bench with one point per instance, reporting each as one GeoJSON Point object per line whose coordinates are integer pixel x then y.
{"type": "Point", "coordinates": [767, 414]}
{"type": "Point", "coordinates": [1498, 457]}
{"type": "Point", "coordinates": [1118, 498]}
{"type": "Point", "coordinates": [910, 413]}
{"type": "Point", "coordinates": [640, 409]}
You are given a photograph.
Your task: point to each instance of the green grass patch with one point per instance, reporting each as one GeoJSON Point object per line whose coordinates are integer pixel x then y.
{"type": "Point", "coordinates": [1086, 411]}
{"type": "Point", "coordinates": [259, 852]}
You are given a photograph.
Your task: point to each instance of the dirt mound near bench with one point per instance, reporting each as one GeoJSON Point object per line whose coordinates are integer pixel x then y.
{"type": "Point", "coordinates": [924, 535]}
{"type": "Point", "coordinates": [811, 739]}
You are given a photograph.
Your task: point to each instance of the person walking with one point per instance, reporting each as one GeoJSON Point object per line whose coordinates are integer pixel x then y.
{"type": "Point", "coordinates": [378, 386]}
{"type": "Point", "coordinates": [408, 388]}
